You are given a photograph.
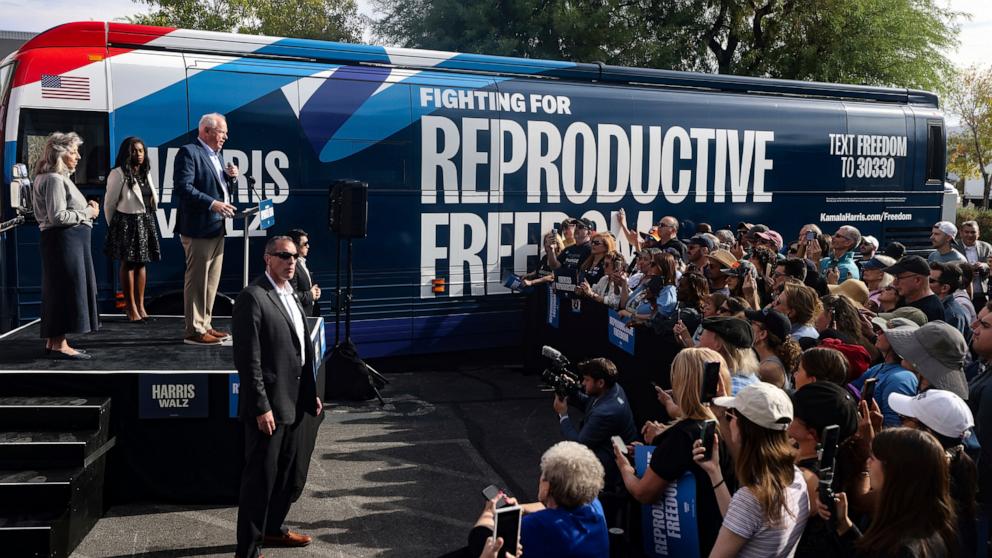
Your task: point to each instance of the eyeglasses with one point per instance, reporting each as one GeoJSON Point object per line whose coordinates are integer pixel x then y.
{"type": "Point", "coordinates": [932, 280]}
{"type": "Point", "coordinates": [304, 244]}
{"type": "Point", "coordinates": [730, 414]}
{"type": "Point", "coordinates": [285, 255]}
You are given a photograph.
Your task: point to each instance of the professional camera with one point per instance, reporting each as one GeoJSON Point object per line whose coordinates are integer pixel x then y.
{"type": "Point", "coordinates": [558, 377]}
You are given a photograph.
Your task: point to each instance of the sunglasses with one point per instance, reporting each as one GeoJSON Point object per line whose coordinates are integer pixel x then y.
{"type": "Point", "coordinates": [596, 243]}
{"type": "Point", "coordinates": [304, 244]}
{"type": "Point", "coordinates": [730, 414]}
{"type": "Point", "coordinates": [285, 255]}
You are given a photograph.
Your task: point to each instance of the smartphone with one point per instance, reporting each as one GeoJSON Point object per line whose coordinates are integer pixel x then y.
{"type": "Point", "coordinates": [508, 527]}
{"type": "Point", "coordinates": [706, 434]}
{"type": "Point", "coordinates": [618, 443]}
{"type": "Point", "coordinates": [492, 491]}
{"type": "Point", "coordinates": [810, 236]}
{"type": "Point", "coordinates": [711, 379]}
{"type": "Point", "coordinates": [868, 391]}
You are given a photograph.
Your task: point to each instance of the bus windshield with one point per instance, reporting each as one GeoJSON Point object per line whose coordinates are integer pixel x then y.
{"type": "Point", "coordinates": [36, 124]}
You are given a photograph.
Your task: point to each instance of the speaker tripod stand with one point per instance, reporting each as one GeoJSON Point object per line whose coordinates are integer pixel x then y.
{"type": "Point", "coordinates": [355, 379]}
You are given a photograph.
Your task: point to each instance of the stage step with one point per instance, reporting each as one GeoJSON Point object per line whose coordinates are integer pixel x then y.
{"type": "Point", "coordinates": [35, 534]}
{"type": "Point", "coordinates": [54, 413]}
{"type": "Point", "coordinates": [53, 455]}
{"type": "Point", "coordinates": [49, 450]}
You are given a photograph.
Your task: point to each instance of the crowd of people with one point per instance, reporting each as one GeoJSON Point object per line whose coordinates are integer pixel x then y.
{"type": "Point", "coordinates": [827, 337]}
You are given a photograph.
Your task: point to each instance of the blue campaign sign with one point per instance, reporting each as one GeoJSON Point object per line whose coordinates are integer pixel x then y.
{"type": "Point", "coordinates": [669, 526]}
{"type": "Point", "coordinates": [266, 214]}
{"type": "Point", "coordinates": [553, 307]}
{"type": "Point", "coordinates": [619, 333]}
{"type": "Point", "coordinates": [172, 396]}
{"type": "Point", "coordinates": [319, 341]}
{"type": "Point", "coordinates": [233, 386]}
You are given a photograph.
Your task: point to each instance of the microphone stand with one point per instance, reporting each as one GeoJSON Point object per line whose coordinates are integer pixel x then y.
{"type": "Point", "coordinates": [245, 215]}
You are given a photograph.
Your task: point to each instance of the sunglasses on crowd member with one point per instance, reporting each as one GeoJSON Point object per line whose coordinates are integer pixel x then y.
{"type": "Point", "coordinates": [304, 244]}
{"type": "Point", "coordinates": [730, 414]}
{"type": "Point", "coordinates": [596, 243]}
{"type": "Point", "coordinates": [285, 255]}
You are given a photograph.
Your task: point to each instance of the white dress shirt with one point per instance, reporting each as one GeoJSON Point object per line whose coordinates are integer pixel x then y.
{"type": "Point", "coordinates": [218, 168]}
{"type": "Point", "coordinates": [290, 304]}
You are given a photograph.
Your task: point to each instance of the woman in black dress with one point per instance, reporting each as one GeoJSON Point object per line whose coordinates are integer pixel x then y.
{"type": "Point", "coordinates": [130, 206]}
{"type": "Point", "coordinates": [68, 282]}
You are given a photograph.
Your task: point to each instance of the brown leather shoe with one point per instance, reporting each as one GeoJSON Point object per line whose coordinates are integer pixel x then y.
{"type": "Point", "coordinates": [288, 539]}
{"type": "Point", "coordinates": [218, 334]}
{"type": "Point", "coordinates": [205, 339]}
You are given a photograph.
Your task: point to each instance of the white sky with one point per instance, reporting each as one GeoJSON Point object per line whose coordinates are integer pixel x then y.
{"type": "Point", "coordinates": [35, 15]}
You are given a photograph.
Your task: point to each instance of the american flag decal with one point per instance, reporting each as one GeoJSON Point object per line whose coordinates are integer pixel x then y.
{"type": "Point", "coordinates": [65, 87]}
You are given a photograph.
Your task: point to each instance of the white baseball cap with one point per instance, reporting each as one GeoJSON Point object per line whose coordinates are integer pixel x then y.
{"type": "Point", "coordinates": [941, 411]}
{"type": "Point", "coordinates": [947, 228]}
{"type": "Point", "coordinates": [761, 403]}
{"type": "Point", "coordinates": [869, 239]}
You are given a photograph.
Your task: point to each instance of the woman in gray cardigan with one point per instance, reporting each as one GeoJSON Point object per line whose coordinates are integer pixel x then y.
{"type": "Point", "coordinates": [130, 210]}
{"type": "Point", "coordinates": [68, 284]}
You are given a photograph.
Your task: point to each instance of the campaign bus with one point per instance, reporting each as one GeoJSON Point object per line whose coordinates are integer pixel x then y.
{"type": "Point", "coordinates": [469, 159]}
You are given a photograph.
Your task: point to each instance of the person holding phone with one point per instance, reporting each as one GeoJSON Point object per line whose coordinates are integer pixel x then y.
{"type": "Point", "coordinates": [914, 515]}
{"type": "Point", "coordinates": [567, 519]}
{"type": "Point", "coordinates": [672, 456]}
{"type": "Point", "coordinates": [767, 514]}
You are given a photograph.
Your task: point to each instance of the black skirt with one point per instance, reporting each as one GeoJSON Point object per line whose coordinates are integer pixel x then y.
{"type": "Point", "coordinates": [68, 282]}
{"type": "Point", "coordinates": [132, 238]}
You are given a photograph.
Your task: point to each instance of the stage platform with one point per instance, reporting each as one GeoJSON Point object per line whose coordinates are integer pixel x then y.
{"type": "Point", "coordinates": [174, 406]}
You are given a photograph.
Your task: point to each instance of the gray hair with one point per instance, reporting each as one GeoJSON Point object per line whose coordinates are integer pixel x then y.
{"type": "Point", "coordinates": [971, 224]}
{"type": "Point", "coordinates": [726, 237]}
{"type": "Point", "coordinates": [270, 245]}
{"type": "Point", "coordinates": [211, 120]}
{"type": "Point", "coordinates": [850, 233]}
{"type": "Point", "coordinates": [573, 473]}
{"type": "Point", "coordinates": [57, 144]}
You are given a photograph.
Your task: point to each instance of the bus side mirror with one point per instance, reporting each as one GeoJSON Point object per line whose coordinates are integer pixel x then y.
{"type": "Point", "coordinates": [20, 190]}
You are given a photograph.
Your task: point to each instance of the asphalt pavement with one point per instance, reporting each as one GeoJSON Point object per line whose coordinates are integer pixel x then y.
{"type": "Point", "coordinates": [394, 481]}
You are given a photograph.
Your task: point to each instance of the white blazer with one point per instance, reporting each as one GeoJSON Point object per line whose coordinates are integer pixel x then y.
{"type": "Point", "coordinates": [126, 199]}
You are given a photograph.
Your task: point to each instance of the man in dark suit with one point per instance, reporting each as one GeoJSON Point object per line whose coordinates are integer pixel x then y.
{"type": "Point", "coordinates": [203, 186]}
{"type": "Point", "coordinates": [302, 282]}
{"type": "Point", "coordinates": [275, 362]}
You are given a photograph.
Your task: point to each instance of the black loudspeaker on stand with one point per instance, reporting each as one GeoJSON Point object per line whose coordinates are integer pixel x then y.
{"type": "Point", "coordinates": [350, 377]}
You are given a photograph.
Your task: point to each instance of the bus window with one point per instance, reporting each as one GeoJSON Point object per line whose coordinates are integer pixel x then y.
{"type": "Point", "coordinates": [936, 152]}
{"type": "Point", "coordinates": [36, 124]}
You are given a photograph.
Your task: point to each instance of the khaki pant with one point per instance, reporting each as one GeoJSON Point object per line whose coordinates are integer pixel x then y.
{"type": "Point", "coordinates": [204, 259]}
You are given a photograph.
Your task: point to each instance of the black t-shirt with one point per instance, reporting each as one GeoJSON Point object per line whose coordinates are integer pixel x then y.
{"type": "Point", "coordinates": [573, 256]}
{"type": "Point", "coordinates": [672, 458]}
{"type": "Point", "coordinates": [818, 539]}
{"type": "Point", "coordinates": [931, 306]}
{"type": "Point", "coordinates": [594, 273]}
{"type": "Point", "coordinates": [674, 243]}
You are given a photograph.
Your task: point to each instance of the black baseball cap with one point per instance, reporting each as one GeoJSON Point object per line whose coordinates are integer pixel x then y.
{"type": "Point", "coordinates": [821, 404]}
{"type": "Point", "coordinates": [895, 250]}
{"type": "Point", "coordinates": [775, 322]}
{"type": "Point", "coordinates": [735, 331]}
{"type": "Point", "coordinates": [700, 240]}
{"type": "Point", "coordinates": [909, 264]}
{"type": "Point", "coordinates": [585, 224]}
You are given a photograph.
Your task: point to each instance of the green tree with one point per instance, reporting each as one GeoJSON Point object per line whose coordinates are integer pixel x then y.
{"type": "Point", "coordinates": [884, 42]}
{"type": "Point", "coordinates": [332, 20]}
{"type": "Point", "coordinates": [970, 151]}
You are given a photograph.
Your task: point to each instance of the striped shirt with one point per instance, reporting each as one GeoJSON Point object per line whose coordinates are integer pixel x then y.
{"type": "Point", "coordinates": [746, 519]}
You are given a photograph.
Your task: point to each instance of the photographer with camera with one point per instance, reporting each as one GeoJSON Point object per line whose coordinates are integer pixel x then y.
{"type": "Point", "coordinates": [606, 412]}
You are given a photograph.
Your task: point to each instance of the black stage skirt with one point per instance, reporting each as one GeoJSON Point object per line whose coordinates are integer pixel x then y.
{"type": "Point", "coordinates": [132, 238]}
{"type": "Point", "coordinates": [68, 284]}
